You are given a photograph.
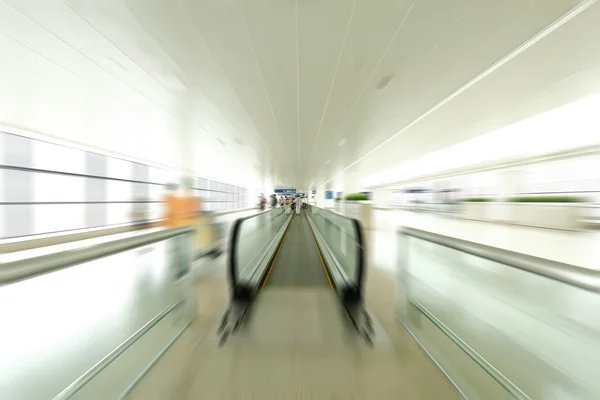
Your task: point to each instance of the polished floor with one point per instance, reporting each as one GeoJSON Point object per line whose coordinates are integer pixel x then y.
{"type": "Point", "coordinates": [297, 344]}
{"type": "Point", "coordinates": [543, 335]}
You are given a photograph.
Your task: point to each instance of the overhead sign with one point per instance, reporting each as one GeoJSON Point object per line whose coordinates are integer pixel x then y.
{"type": "Point", "coordinates": [285, 190]}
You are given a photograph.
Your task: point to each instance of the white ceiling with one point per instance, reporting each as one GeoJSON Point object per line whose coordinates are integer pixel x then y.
{"type": "Point", "coordinates": [293, 90]}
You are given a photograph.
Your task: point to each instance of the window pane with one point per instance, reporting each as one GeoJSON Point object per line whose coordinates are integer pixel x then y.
{"type": "Point", "coordinates": [56, 187]}
{"type": "Point", "coordinates": [3, 187]}
{"type": "Point", "coordinates": [119, 213]}
{"type": "Point", "coordinates": [158, 175]}
{"type": "Point", "coordinates": [53, 157]}
{"type": "Point", "coordinates": [119, 191]}
{"type": "Point", "coordinates": [117, 168]}
{"type": "Point", "coordinates": [155, 210]}
{"type": "Point", "coordinates": [141, 191]}
{"type": "Point", "coordinates": [17, 186]}
{"type": "Point", "coordinates": [18, 151]}
{"type": "Point", "coordinates": [156, 192]}
{"type": "Point", "coordinates": [17, 219]}
{"type": "Point", "coordinates": [95, 214]}
{"type": "Point", "coordinates": [3, 148]}
{"type": "Point", "coordinates": [58, 217]}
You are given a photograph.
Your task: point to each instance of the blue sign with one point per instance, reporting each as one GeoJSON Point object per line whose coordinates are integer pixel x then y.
{"type": "Point", "coordinates": [329, 195]}
{"type": "Point", "coordinates": [285, 191]}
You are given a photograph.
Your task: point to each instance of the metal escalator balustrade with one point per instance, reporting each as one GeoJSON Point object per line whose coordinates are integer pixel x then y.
{"type": "Point", "coordinates": [501, 324]}
{"type": "Point", "coordinates": [88, 323]}
{"type": "Point", "coordinates": [257, 241]}
{"type": "Point", "coordinates": [340, 240]}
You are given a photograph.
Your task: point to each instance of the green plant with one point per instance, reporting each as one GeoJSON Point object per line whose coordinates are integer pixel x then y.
{"type": "Point", "coordinates": [547, 199]}
{"type": "Point", "coordinates": [338, 198]}
{"type": "Point", "coordinates": [477, 200]}
{"type": "Point", "coordinates": [357, 197]}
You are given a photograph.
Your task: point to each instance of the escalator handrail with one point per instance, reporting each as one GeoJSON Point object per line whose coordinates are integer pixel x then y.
{"type": "Point", "coordinates": [573, 275]}
{"type": "Point", "coordinates": [15, 271]}
{"type": "Point", "coordinates": [235, 235]}
{"type": "Point", "coordinates": [360, 251]}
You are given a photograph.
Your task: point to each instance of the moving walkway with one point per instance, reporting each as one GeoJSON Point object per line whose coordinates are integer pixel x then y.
{"type": "Point", "coordinates": [276, 254]}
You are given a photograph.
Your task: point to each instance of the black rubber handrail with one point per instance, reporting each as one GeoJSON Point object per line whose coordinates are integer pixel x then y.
{"type": "Point", "coordinates": [360, 259]}
{"type": "Point", "coordinates": [235, 233]}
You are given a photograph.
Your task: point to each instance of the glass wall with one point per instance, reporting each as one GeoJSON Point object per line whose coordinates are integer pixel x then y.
{"type": "Point", "coordinates": [218, 196]}
{"type": "Point", "coordinates": [46, 188]}
{"type": "Point", "coordinates": [577, 176]}
{"type": "Point", "coordinates": [49, 188]}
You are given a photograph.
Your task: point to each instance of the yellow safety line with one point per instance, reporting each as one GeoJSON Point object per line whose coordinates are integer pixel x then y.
{"type": "Point", "coordinates": [274, 259]}
{"type": "Point", "coordinates": [321, 257]}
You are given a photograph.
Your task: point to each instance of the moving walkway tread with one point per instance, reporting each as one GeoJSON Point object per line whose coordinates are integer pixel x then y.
{"type": "Point", "coordinates": [298, 262]}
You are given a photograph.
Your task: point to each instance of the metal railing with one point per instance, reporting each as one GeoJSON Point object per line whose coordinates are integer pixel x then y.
{"type": "Point", "coordinates": [572, 275]}
{"type": "Point", "coordinates": [84, 379]}
{"type": "Point", "coordinates": [583, 278]}
{"type": "Point", "coordinates": [357, 286]}
{"type": "Point", "coordinates": [15, 271]}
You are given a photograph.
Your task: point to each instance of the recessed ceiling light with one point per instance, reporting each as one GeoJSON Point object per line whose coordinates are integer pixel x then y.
{"type": "Point", "coordinates": [342, 142]}
{"type": "Point", "coordinates": [384, 82]}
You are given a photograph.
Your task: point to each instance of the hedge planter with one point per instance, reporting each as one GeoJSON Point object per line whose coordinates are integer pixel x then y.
{"type": "Point", "coordinates": [565, 216]}
{"type": "Point", "coordinates": [361, 210]}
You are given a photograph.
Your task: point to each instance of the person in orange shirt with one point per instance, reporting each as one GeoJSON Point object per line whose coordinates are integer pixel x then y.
{"type": "Point", "coordinates": [180, 210]}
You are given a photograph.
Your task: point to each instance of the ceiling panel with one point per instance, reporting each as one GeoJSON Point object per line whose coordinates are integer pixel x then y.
{"type": "Point", "coordinates": [323, 36]}
{"type": "Point", "coordinates": [561, 68]}
{"type": "Point", "coordinates": [479, 36]}
{"type": "Point", "coordinates": [475, 37]}
{"type": "Point", "coordinates": [373, 26]}
{"type": "Point", "coordinates": [296, 90]}
{"type": "Point", "coordinates": [169, 24]}
{"type": "Point", "coordinates": [272, 30]}
{"type": "Point", "coordinates": [223, 30]}
{"type": "Point", "coordinates": [112, 20]}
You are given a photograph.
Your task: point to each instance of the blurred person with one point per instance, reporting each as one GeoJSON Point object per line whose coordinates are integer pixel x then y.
{"type": "Point", "coordinates": [298, 204]}
{"type": "Point", "coordinates": [262, 202]}
{"type": "Point", "coordinates": [180, 210]}
{"type": "Point", "coordinates": [273, 201]}
{"type": "Point", "coordinates": [288, 206]}
{"type": "Point", "coordinates": [304, 202]}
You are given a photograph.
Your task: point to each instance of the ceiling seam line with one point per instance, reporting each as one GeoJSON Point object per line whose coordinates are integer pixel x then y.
{"type": "Point", "coordinates": [261, 75]}
{"type": "Point", "coordinates": [456, 21]}
{"type": "Point", "coordinates": [575, 11]}
{"type": "Point", "coordinates": [100, 88]}
{"type": "Point", "coordinates": [193, 81]}
{"type": "Point", "coordinates": [166, 111]}
{"type": "Point", "coordinates": [377, 114]}
{"type": "Point", "coordinates": [335, 75]}
{"type": "Point", "coordinates": [362, 92]}
{"type": "Point", "coordinates": [187, 13]}
{"type": "Point", "coordinates": [126, 55]}
{"type": "Point", "coordinates": [298, 82]}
